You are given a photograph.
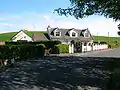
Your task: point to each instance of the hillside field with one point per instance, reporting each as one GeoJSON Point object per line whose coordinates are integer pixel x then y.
{"type": "Point", "coordinates": [114, 42]}
{"type": "Point", "coordinates": [105, 38]}
{"type": "Point", "coordinates": [9, 35]}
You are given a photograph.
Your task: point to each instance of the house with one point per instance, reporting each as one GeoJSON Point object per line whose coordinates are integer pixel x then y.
{"type": "Point", "coordinates": [21, 36]}
{"type": "Point", "coordinates": [79, 40]}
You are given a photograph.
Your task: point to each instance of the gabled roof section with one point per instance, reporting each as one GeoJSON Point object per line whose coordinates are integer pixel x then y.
{"type": "Point", "coordinates": [89, 33]}
{"type": "Point", "coordinates": [65, 34]}
{"type": "Point", "coordinates": [18, 33]}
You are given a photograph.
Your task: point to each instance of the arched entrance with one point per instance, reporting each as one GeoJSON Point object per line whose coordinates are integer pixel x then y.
{"type": "Point", "coordinates": [78, 47]}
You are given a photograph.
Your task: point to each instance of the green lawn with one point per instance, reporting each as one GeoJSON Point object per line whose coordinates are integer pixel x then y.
{"type": "Point", "coordinates": [105, 39]}
{"type": "Point", "coordinates": [113, 42]}
{"type": "Point", "coordinates": [9, 35]}
{"type": "Point", "coordinates": [30, 33]}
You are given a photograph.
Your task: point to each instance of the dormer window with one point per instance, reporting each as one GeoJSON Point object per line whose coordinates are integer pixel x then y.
{"type": "Point", "coordinates": [57, 33]}
{"type": "Point", "coordinates": [86, 35]}
{"type": "Point", "coordinates": [73, 34]}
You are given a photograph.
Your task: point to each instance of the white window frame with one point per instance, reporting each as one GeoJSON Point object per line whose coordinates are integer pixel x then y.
{"type": "Point", "coordinates": [56, 32]}
{"type": "Point", "coordinates": [86, 32]}
{"type": "Point", "coordinates": [71, 33]}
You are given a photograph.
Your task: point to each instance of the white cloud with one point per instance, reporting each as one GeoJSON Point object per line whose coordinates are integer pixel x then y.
{"type": "Point", "coordinates": [7, 25]}
{"type": "Point", "coordinates": [100, 26]}
{"type": "Point", "coordinates": [36, 21]}
{"type": "Point", "coordinates": [47, 18]}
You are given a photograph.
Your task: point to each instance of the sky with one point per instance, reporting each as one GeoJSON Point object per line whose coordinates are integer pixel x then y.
{"type": "Point", "coordinates": [36, 15]}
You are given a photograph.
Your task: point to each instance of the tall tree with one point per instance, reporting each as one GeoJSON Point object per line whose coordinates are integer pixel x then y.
{"type": "Point", "coordinates": [83, 8]}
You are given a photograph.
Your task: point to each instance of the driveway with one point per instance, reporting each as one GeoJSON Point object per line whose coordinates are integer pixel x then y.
{"type": "Point", "coordinates": [105, 53]}
{"type": "Point", "coordinates": [111, 53]}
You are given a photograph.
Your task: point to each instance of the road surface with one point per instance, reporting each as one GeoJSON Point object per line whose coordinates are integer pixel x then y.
{"type": "Point", "coordinates": [111, 53]}
{"type": "Point", "coordinates": [115, 53]}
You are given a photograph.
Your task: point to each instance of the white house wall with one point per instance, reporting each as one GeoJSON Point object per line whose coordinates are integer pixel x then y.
{"type": "Point", "coordinates": [71, 48]}
{"type": "Point", "coordinates": [89, 48]}
{"type": "Point", "coordinates": [22, 36]}
{"type": "Point", "coordinates": [86, 48]}
{"type": "Point", "coordinates": [72, 32]}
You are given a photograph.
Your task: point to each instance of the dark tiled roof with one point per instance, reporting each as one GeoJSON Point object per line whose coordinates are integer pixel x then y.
{"type": "Point", "coordinates": [39, 37]}
{"type": "Point", "coordinates": [66, 31]}
{"type": "Point", "coordinates": [69, 39]}
{"type": "Point", "coordinates": [65, 34]}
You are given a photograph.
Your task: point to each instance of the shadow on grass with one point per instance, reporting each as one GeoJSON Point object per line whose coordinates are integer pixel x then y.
{"type": "Point", "coordinates": [61, 72]}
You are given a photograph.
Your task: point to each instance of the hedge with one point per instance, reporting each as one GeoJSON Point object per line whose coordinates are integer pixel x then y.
{"type": "Point", "coordinates": [114, 81]}
{"type": "Point", "coordinates": [60, 48]}
{"type": "Point", "coordinates": [22, 51]}
{"type": "Point", "coordinates": [114, 44]}
{"type": "Point", "coordinates": [48, 44]}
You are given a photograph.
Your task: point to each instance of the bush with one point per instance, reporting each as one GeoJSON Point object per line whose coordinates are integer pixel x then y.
{"type": "Point", "coordinates": [114, 81]}
{"type": "Point", "coordinates": [48, 44]}
{"type": "Point", "coordinates": [22, 51]}
{"type": "Point", "coordinates": [40, 50]}
{"type": "Point", "coordinates": [60, 48]}
{"type": "Point", "coordinates": [114, 44]}
{"type": "Point", "coordinates": [4, 52]}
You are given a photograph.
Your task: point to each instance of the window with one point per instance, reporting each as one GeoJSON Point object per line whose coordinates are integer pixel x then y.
{"type": "Point", "coordinates": [85, 44]}
{"type": "Point", "coordinates": [86, 35]}
{"type": "Point", "coordinates": [89, 44]}
{"type": "Point", "coordinates": [57, 33]}
{"type": "Point", "coordinates": [73, 34]}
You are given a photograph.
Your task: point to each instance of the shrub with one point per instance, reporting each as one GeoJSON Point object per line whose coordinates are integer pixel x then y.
{"type": "Point", "coordinates": [60, 48]}
{"type": "Point", "coordinates": [114, 81]}
{"type": "Point", "coordinates": [48, 44]}
{"type": "Point", "coordinates": [55, 50]}
{"type": "Point", "coordinates": [22, 51]}
{"type": "Point", "coordinates": [114, 44]}
{"type": "Point", "coordinates": [40, 50]}
{"type": "Point", "coordinates": [4, 52]}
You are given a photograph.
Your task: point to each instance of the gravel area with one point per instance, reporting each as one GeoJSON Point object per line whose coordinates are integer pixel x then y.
{"type": "Point", "coordinates": [57, 73]}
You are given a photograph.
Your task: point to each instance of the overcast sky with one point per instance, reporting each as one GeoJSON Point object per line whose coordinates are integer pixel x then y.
{"type": "Point", "coordinates": [38, 14]}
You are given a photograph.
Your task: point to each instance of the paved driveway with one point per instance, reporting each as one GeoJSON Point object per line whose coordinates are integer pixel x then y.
{"type": "Point", "coordinates": [106, 53]}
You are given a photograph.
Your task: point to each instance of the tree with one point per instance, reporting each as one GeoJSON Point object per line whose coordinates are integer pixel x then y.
{"type": "Point", "coordinates": [83, 8]}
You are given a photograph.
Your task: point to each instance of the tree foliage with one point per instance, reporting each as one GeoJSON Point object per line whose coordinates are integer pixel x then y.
{"type": "Point", "coordinates": [83, 8]}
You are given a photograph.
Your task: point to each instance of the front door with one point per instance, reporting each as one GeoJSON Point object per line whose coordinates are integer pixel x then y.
{"type": "Point", "coordinates": [78, 47]}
